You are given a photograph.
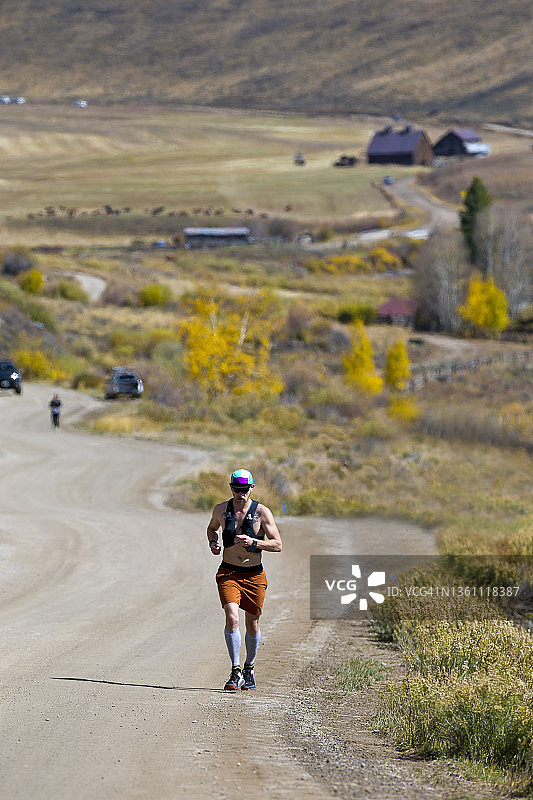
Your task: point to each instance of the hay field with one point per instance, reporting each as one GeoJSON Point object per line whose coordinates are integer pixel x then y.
{"type": "Point", "coordinates": [144, 158]}
{"type": "Point", "coordinates": [139, 158]}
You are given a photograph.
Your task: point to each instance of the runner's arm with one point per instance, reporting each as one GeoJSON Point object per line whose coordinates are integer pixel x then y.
{"type": "Point", "coordinates": [272, 541]}
{"type": "Point", "coordinates": [213, 528]}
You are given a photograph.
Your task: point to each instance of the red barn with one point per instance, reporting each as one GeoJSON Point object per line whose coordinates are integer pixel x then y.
{"type": "Point", "coordinates": [397, 311]}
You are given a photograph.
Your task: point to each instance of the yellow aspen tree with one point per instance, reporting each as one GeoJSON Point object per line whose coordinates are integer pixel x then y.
{"type": "Point", "coordinates": [485, 306]}
{"type": "Point", "coordinates": [359, 367]}
{"type": "Point", "coordinates": [397, 366]}
{"type": "Point", "coordinates": [227, 351]}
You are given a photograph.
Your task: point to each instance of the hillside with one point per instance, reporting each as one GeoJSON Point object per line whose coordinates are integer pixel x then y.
{"type": "Point", "coordinates": [342, 56]}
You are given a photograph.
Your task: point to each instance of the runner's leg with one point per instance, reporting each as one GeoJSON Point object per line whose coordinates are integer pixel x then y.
{"type": "Point", "coordinates": [252, 636]}
{"type": "Point", "coordinates": [232, 633]}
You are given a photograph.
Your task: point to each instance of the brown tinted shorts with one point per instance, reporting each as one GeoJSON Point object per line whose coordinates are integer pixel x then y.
{"type": "Point", "coordinates": [247, 589]}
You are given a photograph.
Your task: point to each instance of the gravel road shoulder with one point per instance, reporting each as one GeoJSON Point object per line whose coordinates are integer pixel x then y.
{"type": "Point", "coordinates": [337, 741]}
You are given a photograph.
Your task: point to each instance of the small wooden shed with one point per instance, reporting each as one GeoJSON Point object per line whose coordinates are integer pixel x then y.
{"type": "Point", "coordinates": [460, 142]}
{"type": "Point", "coordinates": [216, 237]}
{"type": "Point", "coordinates": [397, 311]}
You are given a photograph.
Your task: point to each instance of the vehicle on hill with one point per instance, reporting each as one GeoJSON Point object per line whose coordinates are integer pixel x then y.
{"type": "Point", "coordinates": [123, 382]}
{"type": "Point", "coordinates": [10, 377]}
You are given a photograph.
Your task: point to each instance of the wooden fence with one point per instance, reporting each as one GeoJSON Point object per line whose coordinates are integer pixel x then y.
{"type": "Point", "coordinates": [447, 372]}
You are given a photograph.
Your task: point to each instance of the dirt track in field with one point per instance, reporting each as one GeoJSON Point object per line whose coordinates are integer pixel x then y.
{"type": "Point", "coordinates": [113, 655]}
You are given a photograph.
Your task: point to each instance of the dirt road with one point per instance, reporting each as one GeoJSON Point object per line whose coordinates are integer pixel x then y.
{"type": "Point", "coordinates": [440, 215]}
{"type": "Point", "coordinates": [113, 656]}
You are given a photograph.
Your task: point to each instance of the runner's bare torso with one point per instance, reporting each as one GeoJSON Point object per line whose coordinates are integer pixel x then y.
{"type": "Point", "coordinates": [263, 526]}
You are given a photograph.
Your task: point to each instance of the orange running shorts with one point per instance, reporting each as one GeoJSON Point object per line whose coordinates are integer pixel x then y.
{"type": "Point", "coordinates": [247, 589]}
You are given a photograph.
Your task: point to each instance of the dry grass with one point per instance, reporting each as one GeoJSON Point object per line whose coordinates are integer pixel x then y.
{"type": "Point", "coordinates": [137, 160]}
{"type": "Point", "coordinates": [342, 57]}
{"type": "Point", "coordinates": [508, 177]}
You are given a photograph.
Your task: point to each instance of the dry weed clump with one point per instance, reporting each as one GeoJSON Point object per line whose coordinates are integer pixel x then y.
{"type": "Point", "coordinates": [479, 425]}
{"type": "Point", "coordinates": [115, 424]}
{"type": "Point", "coordinates": [468, 694]}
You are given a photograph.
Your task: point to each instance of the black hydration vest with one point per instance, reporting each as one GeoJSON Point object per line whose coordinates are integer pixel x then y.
{"type": "Point", "coordinates": [247, 527]}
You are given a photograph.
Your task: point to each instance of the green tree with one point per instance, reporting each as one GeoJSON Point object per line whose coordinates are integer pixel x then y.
{"type": "Point", "coordinates": [485, 306]}
{"type": "Point", "coordinates": [397, 366]}
{"type": "Point", "coordinates": [359, 367]}
{"type": "Point", "coordinates": [477, 199]}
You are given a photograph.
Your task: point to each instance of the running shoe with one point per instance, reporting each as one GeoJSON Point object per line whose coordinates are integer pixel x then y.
{"type": "Point", "coordinates": [235, 681]}
{"type": "Point", "coordinates": [248, 677]}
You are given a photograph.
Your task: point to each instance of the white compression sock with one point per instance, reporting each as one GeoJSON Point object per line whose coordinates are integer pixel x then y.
{"type": "Point", "coordinates": [233, 642]}
{"type": "Point", "coordinates": [252, 643]}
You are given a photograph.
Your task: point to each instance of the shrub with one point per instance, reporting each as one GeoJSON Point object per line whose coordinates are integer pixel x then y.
{"type": "Point", "coordinates": [347, 265]}
{"type": "Point", "coordinates": [356, 311]}
{"type": "Point", "coordinates": [31, 281]}
{"type": "Point", "coordinates": [155, 294]}
{"type": "Point", "coordinates": [84, 347]}
{"type": "Point", "coordinates": [324, 234]}
{"type": "Point", "coordinates": [384, 261]}
{"type": "Point", "coordinates": [70, 289]}
{"type": "Point", "coordinates": [27, 305]}
{"type": "Point", "coordinates": [86, 380]}
{"type": "Point", "coordinates": [36, 364]}
{"type": "Point", "coordinates": [282, 228]}
{"type": "Point", "coordinates": [403, 408]}
{"type": "Point", "coordinates": [298, 322]}
{"type": "Point", "coordinates": [300, 379]}
{"type": "Point", "coordinates": [282, 418]}
{"type": "Point", "coordinates": [119, 293]}
{"type": "Point", "coordinates": [17, 259]}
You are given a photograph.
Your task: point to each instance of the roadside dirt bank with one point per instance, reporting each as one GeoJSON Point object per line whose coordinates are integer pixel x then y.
{"type": "Point", "coordinates": [113, 654]}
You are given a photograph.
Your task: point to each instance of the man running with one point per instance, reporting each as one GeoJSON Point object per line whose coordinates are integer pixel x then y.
{"type": "Point", "coordinates": [248, 527]}
{"type": "Point", "coordinates": [55, 408]}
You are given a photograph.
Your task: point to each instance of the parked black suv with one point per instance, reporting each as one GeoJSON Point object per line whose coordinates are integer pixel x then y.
{"type": "Point", "coordinates": [10, 377]}
{"type": "Point", "coordinates": [123, 382]}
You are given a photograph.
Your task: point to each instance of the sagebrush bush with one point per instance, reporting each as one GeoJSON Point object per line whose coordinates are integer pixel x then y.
{"type": "Point", "coordinates": [34, 309]}
{"type": "Point", "coordinates": [356, 311]}
{"type": "Point", "coordinates": [119, 293]}
{"type": "Point", "coordinates": [298, 322]}
{"type": "Point", "coordinates": [17, 259]}
{"type": "Point", "coordinates": [87, 380]}
{"type": "Point", "coordinates": [155, 294]}
{"type": "Point", "coordinates": [282, 418]}
{"type": "Point", "coordinates": [70, 289]}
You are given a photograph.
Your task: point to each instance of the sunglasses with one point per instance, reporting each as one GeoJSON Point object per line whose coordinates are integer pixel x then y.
{"type": "Point", "coordinates": [240, 489]}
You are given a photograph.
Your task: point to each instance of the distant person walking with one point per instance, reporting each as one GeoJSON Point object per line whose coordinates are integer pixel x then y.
{"type": "Point", "coordinates": [55, 409]}
{"type": "Point", "coordinates": [248, 528]}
